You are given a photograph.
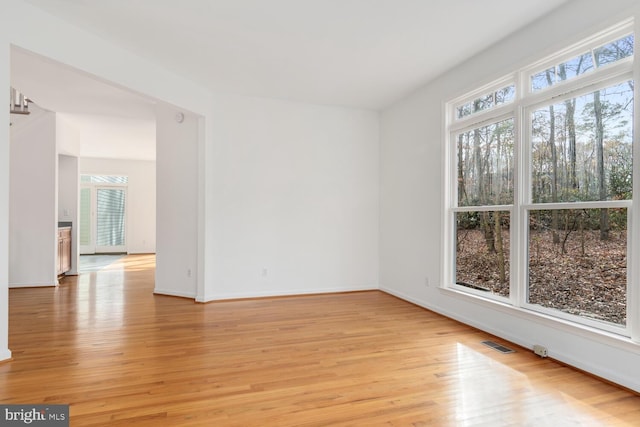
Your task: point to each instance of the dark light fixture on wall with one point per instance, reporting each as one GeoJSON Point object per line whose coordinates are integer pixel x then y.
{"type": "Point", "coordinates": [18, 103]}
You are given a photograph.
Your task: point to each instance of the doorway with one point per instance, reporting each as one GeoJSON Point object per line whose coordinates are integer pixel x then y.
{"type": "Point", "coordinates": [103, 205]}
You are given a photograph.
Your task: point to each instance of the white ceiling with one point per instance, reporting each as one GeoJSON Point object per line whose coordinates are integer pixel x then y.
{"type": "Point", "coordinates": [360, 53]}
{"type": "Point", "coordinates": [356, 53]}
{"type": "Point", "coordinates": [111, 122]}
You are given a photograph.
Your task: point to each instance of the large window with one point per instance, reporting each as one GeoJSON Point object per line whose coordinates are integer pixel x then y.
{"type": "Point", "coordinates": [540, 178]}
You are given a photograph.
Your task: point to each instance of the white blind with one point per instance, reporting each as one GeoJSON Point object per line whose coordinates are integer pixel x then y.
{"type": "Point", "coordinates": [110, 217]}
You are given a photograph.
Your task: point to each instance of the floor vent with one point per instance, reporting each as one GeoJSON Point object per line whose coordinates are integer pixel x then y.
{"type": "Point", "coordinates": [498, 347]}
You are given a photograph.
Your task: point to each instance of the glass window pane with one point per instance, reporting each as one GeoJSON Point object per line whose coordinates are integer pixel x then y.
{"type": "Point", "coordinates": [614, 51]}
{"type": "Point", "coordinates": [483, 103]}
{"type": "Point", "coordinates": [110, 217]}
{"type": "Point", "coordinates": [486, 102]}
{"type": "Point", "coordinates": [567, 70]}
{"type": "Point", "coordinates": [584, 63]}
{"type": "Point", "coordinates": [581, 149]}
{"type": "Point", "coordinates": [104, 179]}
{"type": "Point", "coordinates": [543, 79]}
{"type": "Point", "coordinates": [485, 165]}
{"type": "Point", "coordinates": [578, 262]}
{"type": "Point", "coordinates": [85, 216]}
{"type": "Point", "coordinates": [482, 251]}
{"type": "Point", "coordinates": [464, 110]}
{"type": "Point", "coordinates": [505, 95]}
{"type": "Point", "coordinates": [575, 67]}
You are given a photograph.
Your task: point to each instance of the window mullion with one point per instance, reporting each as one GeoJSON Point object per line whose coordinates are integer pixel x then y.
{"type": "Point", "coordinates": [483, 208]}
{"type": "Point", "coordinates": [496, 114]}
{"type": "Point", "coordinates": [571, 90]}
{"type": "Point", "coordinates": [622, 29]}
{"type": "Point", "coordinates": [546, 237]}
{"type": "Point", "coordinates": [633, 272]}
{"type": "Point", "coordinates": [518, 233]}
{"type": "Point", "coordinates": [633, 291]}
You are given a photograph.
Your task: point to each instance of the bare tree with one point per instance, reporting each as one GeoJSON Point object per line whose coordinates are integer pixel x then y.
{"type": "Point", "coordinates": [554, 167]}
{"type": "Point", "coordinates": [599, 142]}
{"type": "Point", "coordinates": [462, 188]}
{"type": "Point", "coordinates": [570, 105]}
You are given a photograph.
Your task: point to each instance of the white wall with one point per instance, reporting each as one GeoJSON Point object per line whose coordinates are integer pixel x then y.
{"type": "Point", "coordinates": [411, 197]}
{"type": "Point", "coordinates": [68, 202]}
{"type": "Point", "coordinates": [33, 212]}
{"type": "Point", "coordinates": [67, 137]}
{"type": "Point", "coordinates": [298, 210]}
{"type": "Point", "coordinates": [55, 39]}
{"type": "Point", "coordinates": [5, 353]}
{"type": "Point", "coordinates": [140, 226]}
{"type": "Point", "coordinates": [319, 172]}
{"type": "Point", "coordinates": [68, 146]}
{"type": "Point", "coordinates": [177, 221]}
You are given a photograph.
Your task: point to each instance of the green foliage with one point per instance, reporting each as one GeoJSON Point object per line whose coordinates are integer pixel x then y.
{"type": "Point", "coordinates": [621, 171]}
{"type": "Point", "coordinates": [473, 220]}
{"type": "Point", "coordinates": [468, 220]}
{"type": "Point", "coordinates": [572, 219]}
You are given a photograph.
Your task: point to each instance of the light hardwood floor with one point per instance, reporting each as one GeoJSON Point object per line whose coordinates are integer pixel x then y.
{"type": "Point", "coordinates": [120, 355]}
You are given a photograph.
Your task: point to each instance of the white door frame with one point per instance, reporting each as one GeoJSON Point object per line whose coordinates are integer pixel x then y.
{"type": "Point", "coordinates": [92, 247]}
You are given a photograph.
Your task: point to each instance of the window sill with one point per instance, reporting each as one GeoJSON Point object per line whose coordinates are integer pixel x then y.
{"type": "Point", "coordinates": [604, 337]}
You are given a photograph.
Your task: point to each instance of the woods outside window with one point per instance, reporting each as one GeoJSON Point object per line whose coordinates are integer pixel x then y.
{"type": "Point", "coordinates": [540, 186]}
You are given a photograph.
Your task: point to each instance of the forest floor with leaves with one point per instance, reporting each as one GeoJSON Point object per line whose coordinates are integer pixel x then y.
{"type": "Point", "coordinates": [587, 278]}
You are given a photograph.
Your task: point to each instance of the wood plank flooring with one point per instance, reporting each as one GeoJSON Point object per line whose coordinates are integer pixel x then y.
{"type": "Point", "coordinates": [120, 355]}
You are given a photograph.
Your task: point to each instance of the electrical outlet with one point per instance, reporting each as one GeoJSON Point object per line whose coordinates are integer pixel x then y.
{"type": "Point", "coordinates": [540, 350]}
{"type": "Point", "coordinates": [426, 281]}
{"type": "Point", "coordinates": [265, 272]}
{"type": "Point", "coordinates": [188, 272]}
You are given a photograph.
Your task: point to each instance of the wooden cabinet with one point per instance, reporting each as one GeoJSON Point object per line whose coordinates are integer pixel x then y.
{"type": "Point", "coordinates": [64, 250]}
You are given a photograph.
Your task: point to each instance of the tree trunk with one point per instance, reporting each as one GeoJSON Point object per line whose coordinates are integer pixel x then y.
{"type": "Point", "coordinates": [479, 175]}
{"type": "Point", "coordinates": [498, 172]}
{"type": "Point", "coordinates": [571, 125]}
{"type": "Point", "coordinates": [554, 168]}
{"type": "Point", "coordinates": [489, 232]}
{"type": "Point", "coordinates": [570, 105]}
{"type": "Point", "coordinates": [602, 190]}
{"type": "Point", "coordinates": [581, 228]}
{"type": "Point", "coordinates": [462, 190]}
{"type": "Point", "coordinates": [500, 248]}
{"type": "Point", "coordinates": [554, 177]}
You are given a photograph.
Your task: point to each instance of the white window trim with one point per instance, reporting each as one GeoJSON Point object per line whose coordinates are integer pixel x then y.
{"type": "Point", "coordinates": [480, 116]}
{"type": "Point", "coordinates": [526, 101]}
{"type": "Point", "coordinates": [601, 38]}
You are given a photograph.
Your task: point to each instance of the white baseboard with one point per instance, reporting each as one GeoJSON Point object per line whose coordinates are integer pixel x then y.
{"type": "Point", "coordinates": [32, 285]}
{"type": "Point", "coordinates": [294, 292]}
{"type": "Point", "coordinates": [5, 355]}
{"type": "Point", "coordinates": [174, 293]}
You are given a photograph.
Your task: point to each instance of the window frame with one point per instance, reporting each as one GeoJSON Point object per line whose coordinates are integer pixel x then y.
{"type": "Point", "coordinates": [589, 44]}
{"type": "Point", "coordinates": [456, 126]}
{"type": "Point", "coordinates": [587, 321]}
{"type": "Point", "coordinates": [525, 101]}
